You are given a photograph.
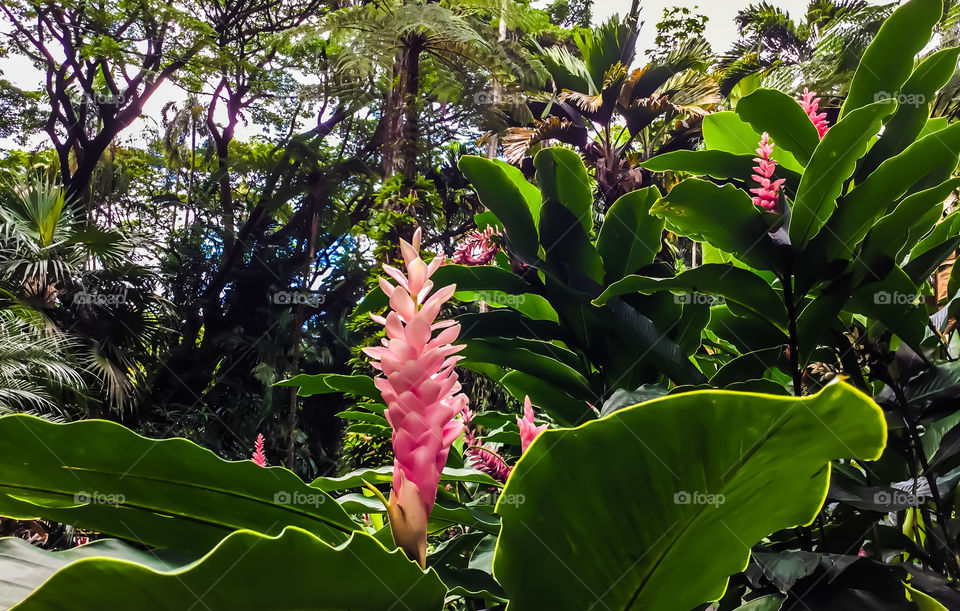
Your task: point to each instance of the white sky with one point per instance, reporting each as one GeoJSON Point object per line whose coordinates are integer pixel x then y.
{"type": "Point", "coordinates": [721, 32]}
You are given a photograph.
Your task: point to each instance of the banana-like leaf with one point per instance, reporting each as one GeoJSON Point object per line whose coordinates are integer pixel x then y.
{"type": "Point", "coordinates": [162, 493]}
{"type": "Point", "coordinates": [732, 283]}
{"type": "Point", "coordinates": [774, 112]}
{"type": "Point", "coordinates": [888, 61]}
{"type": "Point", "coordinates": [629, 237]}
{"type": "Point", "coordinates": [247, 570]}
{"type": "Point", "coordinates": [749, 465]}
{"type": "Point", "coordinates": [500, 194]}
{"type": "Point", "coordinates": [831, 165]}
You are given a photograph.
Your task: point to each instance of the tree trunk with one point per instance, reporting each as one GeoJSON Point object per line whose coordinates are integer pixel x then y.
{"type": "Point", "coordinates": [410, 86]}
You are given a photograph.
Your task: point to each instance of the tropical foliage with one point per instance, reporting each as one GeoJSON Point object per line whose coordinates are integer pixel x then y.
{"type": "Point", "coordinates": [519, 319]}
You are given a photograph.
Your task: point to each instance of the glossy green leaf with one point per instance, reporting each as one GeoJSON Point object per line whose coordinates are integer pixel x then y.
{"type": "Point", "coordinates": [567, 248]}
{"type": "Point", "coordinates": [531, 194]}
{"type": "Point", "coordinates": [915, 214]}
{"type": "Point", "coordinates": [831, 165]}
{"type": "Point", "coordinates": [774, 112]}
{"type": "Point", "coordinates": [732, 283]}
{"type": "Point", "coordinates": [548, 369]}
{"type": "Point", "coordinates": [716, 164]}
{"type": "Point", "coordinates": [630, 236]}
{"type": "Point", "coordinates": [503, 197]}
{"type": "Point", "coordinates": [171, 492]}
{"type": "Point", "coordinates": [870, 200]}
{"type": "Point", "coordinates": [888, 61]}
{"type": "Point", "coordinates": [247, 570]}
{"type": "Point", "coordinates": [726, 131]}
{"type": "Point", "coordinates": [723, 216]}
{"type": "Point", "coordinates": [326, 383]}
{"type": "Point", "coordinates": [563, 179]}
{"type": "Point", "coordinates": [914, 98]}
{"type": "Point", "coordinates": [750, 465]}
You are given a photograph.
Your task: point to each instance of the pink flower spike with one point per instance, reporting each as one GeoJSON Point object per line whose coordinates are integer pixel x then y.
{"type": "Point", "coordinates": [258, 456]}
{"type": "Point", "coordinates": [422, 393]}
{"type": "Point", "coordinates": [528, 430]}
{"type": "Point", "coordinates": [767, 193]}
{"type": "Point", "coordinates": [477, 249]}
{"type": "Point", "coordinates": [811, 105]}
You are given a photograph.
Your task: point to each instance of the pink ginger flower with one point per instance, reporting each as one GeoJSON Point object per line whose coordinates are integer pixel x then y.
{"type": "Point", "coordinates": [258, 456]}
{"type": "Point", "coordinates": [477, 249]}
{"type": "Point", "coordinates": [767, 194]}
{"type": "Point", "coordinates": [528, 431]}
{"type": "Point", "coordinates": [421, 390]}
{"type": "Point", "coordinates": [810, 105]}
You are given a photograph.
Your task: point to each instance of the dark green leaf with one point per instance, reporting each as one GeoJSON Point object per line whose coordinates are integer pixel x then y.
{"type": "Point", "coordinates": [629, 237]}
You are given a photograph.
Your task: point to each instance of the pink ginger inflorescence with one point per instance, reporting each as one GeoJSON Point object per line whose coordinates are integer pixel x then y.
{"type": "Point", "coordinates": [811, 104]}
{"type": "Point", "coordinates": [258, 456]}
{"type": "Point", "coordinates": [477, 249]}
{"type": "Point", "coordinates": [528, 430]}
{"type": "Point", "coordinates": [421, 390]}
{"type": "Point", "coordinates": [767, 193]}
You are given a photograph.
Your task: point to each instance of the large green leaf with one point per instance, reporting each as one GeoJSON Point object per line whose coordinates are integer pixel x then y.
{"type": "Point", "coordinates": [871, 199]}
{"type": "Point", "coordinates": [831, 165]}
{"type": "Point", "coordinates": [732, 283]}
{"type": "Point", "coordinates": [716, 164]}
{"type": "Point", "coordinates": [247, 570]}
{"type": "Point", "coordinates": [575, 544]}
{"type": "Point", "coordinates": [888, 61]}
{"type": "Point", "coordinates": [723, 216]}
{"type": "Point", "coordinates": [726, 131]}
{"type": "Point", "coordinates": [500, 194]}
{"type": "Point", "coordinates": [916, 214]}
{"type": "Point", "coordinates": [774, 112]}
{"type": "Point", "coordinates": [548, 369]}
{"type": "Point", "coordinates": [563, 179]}
{"type": "Point", "coordinates": [531, 194]}
{"type": "Point", "coordinates": [914, 98]}
{"type": "Point", "coordinates": [326, 383]}
{"type": "Point", "coordinates": [630, 237]}
{"type": "Point", "coordinates": [171, 492]}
